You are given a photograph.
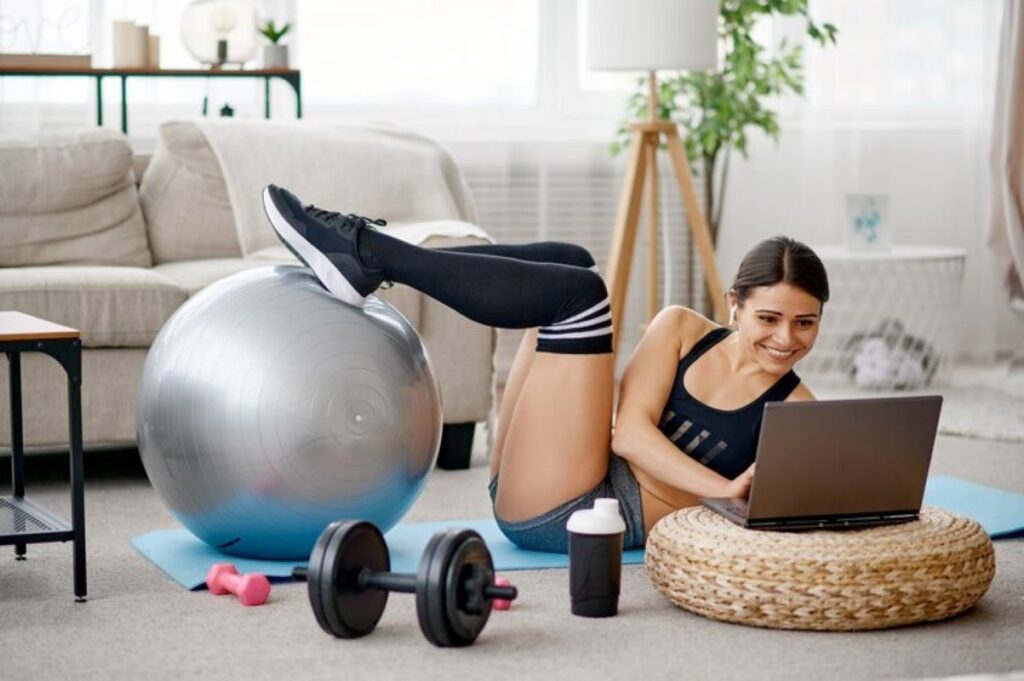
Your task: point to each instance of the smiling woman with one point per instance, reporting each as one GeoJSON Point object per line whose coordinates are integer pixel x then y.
{"type": "Point", "coordinates": [700, 388]}
{"type": "Point", "coordinates": [776, 302]}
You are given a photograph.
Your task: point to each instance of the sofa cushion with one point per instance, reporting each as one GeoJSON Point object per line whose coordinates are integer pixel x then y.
{"type": "Point", "coordinates": [185, 200]}
{"type": "Point", "coordinates": [193, 275]}
{"type": "Point", "coordinates": [111, 306]}
{"type": "Point", "coordinates": [69, 198]}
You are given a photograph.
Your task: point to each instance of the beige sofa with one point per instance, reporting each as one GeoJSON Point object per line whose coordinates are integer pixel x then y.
{"type": "Point", "coordinates": [94, 237]}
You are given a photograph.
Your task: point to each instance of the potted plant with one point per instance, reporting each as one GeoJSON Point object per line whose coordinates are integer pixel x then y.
{"type": "Point", "coordinates": [717, 108]}
{"type": "Point", "coordinates": [275, 55]}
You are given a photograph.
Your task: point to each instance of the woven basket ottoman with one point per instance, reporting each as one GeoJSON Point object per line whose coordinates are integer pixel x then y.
{"type": "Point", "coordinates": [927, 570]}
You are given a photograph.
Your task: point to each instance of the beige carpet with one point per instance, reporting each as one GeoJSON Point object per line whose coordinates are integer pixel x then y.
{"type": "Point", "coordinates": [139, 624]}
{"type": "Point", "coordinates": [984, 402]}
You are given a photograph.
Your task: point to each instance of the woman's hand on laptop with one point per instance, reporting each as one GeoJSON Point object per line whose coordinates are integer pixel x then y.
{"type": "Point", "coordinates": [739, 487]}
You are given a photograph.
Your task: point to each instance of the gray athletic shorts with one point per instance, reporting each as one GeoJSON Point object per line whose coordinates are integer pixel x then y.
{"type": "Point", "coordinates": [547, 531]}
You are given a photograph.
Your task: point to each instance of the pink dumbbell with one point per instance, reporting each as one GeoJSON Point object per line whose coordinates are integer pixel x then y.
{"type": "Point", "coordinates": [501, 603]}
{"type": "Point", "coordinates": [252, 589]}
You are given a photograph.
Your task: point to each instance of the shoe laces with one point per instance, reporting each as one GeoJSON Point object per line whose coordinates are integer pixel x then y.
{"type": "Point", "coordinates": [347, 221]}
{"type": "Point", "coordinates": [342, 220]}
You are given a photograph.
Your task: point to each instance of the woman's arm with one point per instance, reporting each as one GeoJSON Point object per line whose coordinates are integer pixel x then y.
{"type": "Point", "coordinates": [646, 385]}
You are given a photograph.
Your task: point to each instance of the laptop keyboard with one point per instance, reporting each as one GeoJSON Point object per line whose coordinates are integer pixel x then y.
{"type": "Point", "coordinates": [740, 508]}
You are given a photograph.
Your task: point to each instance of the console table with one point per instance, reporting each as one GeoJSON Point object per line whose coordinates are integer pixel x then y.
{"type": "Point", "coordinates": [290, 76]}
{"type": "Point", "coordinates": [23, 522]}
{"type": "Point", "coordinates": [917, 286]}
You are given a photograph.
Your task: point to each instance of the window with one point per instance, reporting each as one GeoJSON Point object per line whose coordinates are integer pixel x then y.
{"type": "Point", "coordinates": [444, 52]}
{"type": "Point", "coordinates": [923, 56]}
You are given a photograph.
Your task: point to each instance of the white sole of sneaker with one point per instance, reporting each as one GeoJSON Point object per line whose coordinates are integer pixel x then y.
{"type": "Point", "coordinates": [327, 273]}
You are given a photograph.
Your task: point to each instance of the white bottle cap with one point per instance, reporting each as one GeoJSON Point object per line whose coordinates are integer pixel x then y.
{"type": "Point", "coordinates": [604, 518]}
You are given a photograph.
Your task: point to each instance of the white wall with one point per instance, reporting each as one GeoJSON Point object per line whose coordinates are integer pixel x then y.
{"type": "Point", "coordinates": [937, 182]}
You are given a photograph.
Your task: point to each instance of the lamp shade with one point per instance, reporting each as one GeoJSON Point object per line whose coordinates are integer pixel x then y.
{"type": "Point", "coordinates": [647, 35]}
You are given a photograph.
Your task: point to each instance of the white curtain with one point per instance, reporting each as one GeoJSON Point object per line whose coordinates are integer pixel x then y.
{"type": "Point", "coordinates": [1006, 236]}
{"type": "Point", "coordinates": [901, 106]}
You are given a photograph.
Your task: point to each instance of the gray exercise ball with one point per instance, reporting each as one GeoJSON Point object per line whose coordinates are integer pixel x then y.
{"type": "Point", "coordinates": [268, 409]}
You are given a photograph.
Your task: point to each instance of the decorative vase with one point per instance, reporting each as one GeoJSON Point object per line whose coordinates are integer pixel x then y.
{"type": "Point", "coordinates": [275, 56]}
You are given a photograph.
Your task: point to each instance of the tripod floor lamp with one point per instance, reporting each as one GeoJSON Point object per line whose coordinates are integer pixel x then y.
{"type": "Point", "coordinates": [647, 35]}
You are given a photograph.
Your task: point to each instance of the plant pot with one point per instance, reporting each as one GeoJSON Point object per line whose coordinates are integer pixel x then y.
{"type": "Point", "coordinates": [275, 56]}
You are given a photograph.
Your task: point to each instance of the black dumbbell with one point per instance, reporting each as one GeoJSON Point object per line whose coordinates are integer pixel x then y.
{"type": "Point", "coordinates": [348, 581]}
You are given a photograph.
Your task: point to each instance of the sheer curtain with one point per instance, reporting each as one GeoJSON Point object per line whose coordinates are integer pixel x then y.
{"type": "Point", "coordinates": [1007, 228]}
{"type": "Point", "coordinates": [902, 107]}
{"type": "Point", "coordinates": [1007, 199]}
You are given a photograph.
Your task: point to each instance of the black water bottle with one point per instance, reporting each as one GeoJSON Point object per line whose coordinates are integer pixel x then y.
{"type": "Point", "coordinates": [595, 559]}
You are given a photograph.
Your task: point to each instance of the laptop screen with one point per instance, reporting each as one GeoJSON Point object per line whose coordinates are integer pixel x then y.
{"type": "Point", "coordinates": [841, 457]}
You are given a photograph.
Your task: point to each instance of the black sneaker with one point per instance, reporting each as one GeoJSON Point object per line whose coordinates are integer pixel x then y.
{"type": "Point", "coordinates": [326, 242]}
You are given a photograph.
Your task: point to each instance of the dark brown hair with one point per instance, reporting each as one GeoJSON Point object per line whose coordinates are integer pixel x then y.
{"type": "Point", "coordinates": [781, 260]}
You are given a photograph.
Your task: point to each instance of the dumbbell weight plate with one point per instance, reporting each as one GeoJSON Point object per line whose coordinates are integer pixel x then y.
{"type": "Point", "coordinates": [466, 608]}
{"type": "Point", "coordinates": [341, 552]}
{"type": "Point", "coordinates": [446, 617]}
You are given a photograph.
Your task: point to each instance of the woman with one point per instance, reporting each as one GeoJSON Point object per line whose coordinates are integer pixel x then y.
{"type": "Point", "coordinates": [690, 386]}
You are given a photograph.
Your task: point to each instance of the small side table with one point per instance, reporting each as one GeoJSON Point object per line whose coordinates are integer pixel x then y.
{"type": "Point", "coordinates": [21, 521]}
{"type": "Point", "coordinates": [917, 286]}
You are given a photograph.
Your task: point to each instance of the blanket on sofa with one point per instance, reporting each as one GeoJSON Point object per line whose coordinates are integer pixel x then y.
{"type": "Point", "coordinates": [393, 174]}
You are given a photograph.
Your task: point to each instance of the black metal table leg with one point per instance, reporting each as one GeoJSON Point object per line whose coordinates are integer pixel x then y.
{"type": "Point", "coordinates": [99, 101]}
{"type": "Point", "coordinates": [124, 104]}
{"type": "Point", "coordinates": [17, 441]}
{"type": "Point", "coordinates": [74, 369]}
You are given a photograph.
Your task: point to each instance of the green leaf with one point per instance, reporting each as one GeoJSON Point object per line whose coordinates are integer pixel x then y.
{"type": "Point", "coordinates": [717, 109]}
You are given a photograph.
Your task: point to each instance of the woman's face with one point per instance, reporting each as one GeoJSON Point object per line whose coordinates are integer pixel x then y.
{"type": "Point", "coordinates": [777, 325]}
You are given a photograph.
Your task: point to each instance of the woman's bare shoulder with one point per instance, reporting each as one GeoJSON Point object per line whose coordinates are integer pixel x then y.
{"type": "Point", "coordinates": [689, 324]}
{"type": "Point", "coordinates": [801, 393]}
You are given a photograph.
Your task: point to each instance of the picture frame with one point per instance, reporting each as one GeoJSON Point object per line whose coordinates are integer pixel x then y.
{"type": "Point", "coordinates": [867, 225]}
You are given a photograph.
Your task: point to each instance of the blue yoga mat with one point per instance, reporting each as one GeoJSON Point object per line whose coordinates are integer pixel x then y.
{"type": "Point", "coordinates": [1001, 513]}
{"type": "Point", "coordinates": [186, 559]}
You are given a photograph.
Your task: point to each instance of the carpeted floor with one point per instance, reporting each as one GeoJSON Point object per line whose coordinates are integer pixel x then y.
{"type": "Point", "coordinates": [138, 624]}
{"type": "Point", "coordinates": [979, 401]}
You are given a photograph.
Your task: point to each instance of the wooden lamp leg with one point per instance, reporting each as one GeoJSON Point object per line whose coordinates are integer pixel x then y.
{"type": "Point", "coordinates": [698, 226]}
{"type": "Point", "coordinates": [652, 227]}
{"type": "Point", "coordinates": [624, 237]}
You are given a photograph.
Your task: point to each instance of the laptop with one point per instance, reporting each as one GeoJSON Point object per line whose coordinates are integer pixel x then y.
{"type": "Point", "coordinates": [836, 464]}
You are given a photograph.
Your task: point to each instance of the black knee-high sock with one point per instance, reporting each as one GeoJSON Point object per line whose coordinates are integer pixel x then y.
{"type": "Point", "coordinates": [540, 251]}
{"type": "Point", "coordinates": [568, 303]}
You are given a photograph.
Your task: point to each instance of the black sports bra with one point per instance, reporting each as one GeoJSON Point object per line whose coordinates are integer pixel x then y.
{"type": "Point", "coordinates": [724, 441]}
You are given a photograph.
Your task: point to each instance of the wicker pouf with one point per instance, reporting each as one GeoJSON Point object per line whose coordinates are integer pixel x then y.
{"type": "Point", "coordinates": [880, 577]}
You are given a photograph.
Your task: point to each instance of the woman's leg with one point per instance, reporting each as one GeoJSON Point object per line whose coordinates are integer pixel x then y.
{"type": "Point", "coordinates": [558, 439]}
{"type": "Point", "coordinates": [539, 251]}
{"type": "Point", "coordinates": [555, 426]}
{"type": "Point", "coordinates": [510, 395]}
{"type": "Point", "coordinates": [569, 303]}
{"type": "Point", "coordinates": [545, 251]}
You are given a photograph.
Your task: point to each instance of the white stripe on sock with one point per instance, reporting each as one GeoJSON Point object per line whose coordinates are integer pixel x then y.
{"type": "Point", "coordinates": [603, 331]}
{"type": "Point", "coordinates": [586, 322]}
{"type": "Point", "coordinates": [581, 315]}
